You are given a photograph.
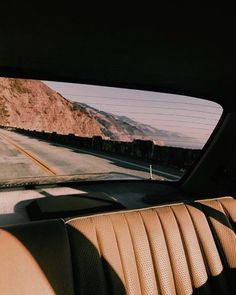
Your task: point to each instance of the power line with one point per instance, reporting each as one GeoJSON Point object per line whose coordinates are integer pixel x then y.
{"type": "Point", "coordinates": [161, 114]}
{"type": "Point", "coordinates": [195, 123]}
{"type": "Point", "coordinates": [179, 126]}
{"type": "Point", "coordinates": [139, 99]}
{"type": "Point", "coordinates": [152, 107]}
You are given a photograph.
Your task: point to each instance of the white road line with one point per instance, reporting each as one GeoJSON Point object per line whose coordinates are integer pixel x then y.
{"type": "Point", "coordinates": [129, 163]}
{"type": "Point", "coordinates": [122, 161]}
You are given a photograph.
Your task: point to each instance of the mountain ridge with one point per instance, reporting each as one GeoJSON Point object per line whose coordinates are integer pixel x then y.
{"type": "Point", "coordinates": [145, 131]}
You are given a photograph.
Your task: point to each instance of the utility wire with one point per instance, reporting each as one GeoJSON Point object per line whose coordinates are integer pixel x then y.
{"type": "Point", "coordinates": [169, 114]}
{"type": "Point", "coordinates": [139, 99]}
{"type": "Point", "coordinates": [153, 107]}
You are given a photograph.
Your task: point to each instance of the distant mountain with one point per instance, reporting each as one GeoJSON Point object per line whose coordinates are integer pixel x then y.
{"type": "Point", "coordinates": [33, 105]}
{"type": "Point", "coordinates": [119, 127]}
{"type": "Point", "coordinates": [123, 128]}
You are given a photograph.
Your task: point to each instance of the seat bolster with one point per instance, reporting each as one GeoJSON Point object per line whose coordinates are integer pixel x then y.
{"type": "Point", "coordinates": [48, 245]}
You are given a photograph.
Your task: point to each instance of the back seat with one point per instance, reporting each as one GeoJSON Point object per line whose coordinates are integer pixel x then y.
{"type": "Point", "coordinates": [172, 249]}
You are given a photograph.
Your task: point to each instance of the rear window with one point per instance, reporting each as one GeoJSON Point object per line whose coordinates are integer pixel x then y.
{"type": "Point", "coordinates": [54, 130]}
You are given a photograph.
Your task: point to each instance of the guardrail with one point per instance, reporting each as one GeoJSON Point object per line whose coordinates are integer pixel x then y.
{"type": "Point", "coordinates": [146, 150]}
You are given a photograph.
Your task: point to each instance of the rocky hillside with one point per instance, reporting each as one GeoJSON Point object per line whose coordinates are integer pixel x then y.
{"type": "Point", "coordinates": [33, 105]}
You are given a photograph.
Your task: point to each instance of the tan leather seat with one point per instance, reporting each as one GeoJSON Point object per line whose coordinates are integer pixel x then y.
{"type": "Point", "coordinates": [177, 249]}
{"type": "Point", "coordinates": [172, 249]}
{"type": "Point", "coordinates": [35, 259]}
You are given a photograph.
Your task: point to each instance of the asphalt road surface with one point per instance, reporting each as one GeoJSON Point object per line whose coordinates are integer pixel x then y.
{"type": "Point", "coordinates": [23, 156]}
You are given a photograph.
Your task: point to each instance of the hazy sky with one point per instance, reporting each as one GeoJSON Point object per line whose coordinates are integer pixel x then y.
{"type": "Point", "coordinates": [190, 116]}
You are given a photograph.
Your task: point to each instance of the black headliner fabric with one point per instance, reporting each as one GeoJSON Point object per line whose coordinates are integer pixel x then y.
{"type": "Point", "coordinates": [180, 48]}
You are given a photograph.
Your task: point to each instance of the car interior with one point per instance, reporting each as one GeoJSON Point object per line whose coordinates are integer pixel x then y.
{"type": "Point", "coordinates": [166, 228]}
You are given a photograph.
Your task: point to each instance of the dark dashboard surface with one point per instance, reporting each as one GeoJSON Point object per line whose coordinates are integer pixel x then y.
{"type": "Point", "coordinates": [126, 194]}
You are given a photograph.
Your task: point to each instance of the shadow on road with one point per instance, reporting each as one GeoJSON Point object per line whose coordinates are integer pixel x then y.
{"type": "Point", "coordinates": [119, 161]}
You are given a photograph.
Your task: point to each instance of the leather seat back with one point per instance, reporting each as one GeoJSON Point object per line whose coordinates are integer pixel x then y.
{"type": "Point", "coordinates": [177, 249]}
{"type": "Point", "coordinates": [174, 249]}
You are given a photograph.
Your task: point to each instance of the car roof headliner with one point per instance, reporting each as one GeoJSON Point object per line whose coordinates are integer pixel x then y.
{"type": "Point", "coordinates": [181, 51]}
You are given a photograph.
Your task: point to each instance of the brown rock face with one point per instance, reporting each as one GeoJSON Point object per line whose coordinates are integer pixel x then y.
{"type": "Point", "coordinates": [32, 105]}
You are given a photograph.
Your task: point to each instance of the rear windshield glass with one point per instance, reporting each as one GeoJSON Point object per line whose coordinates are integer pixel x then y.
{"type": "Point", "coordinates": [52, 130]}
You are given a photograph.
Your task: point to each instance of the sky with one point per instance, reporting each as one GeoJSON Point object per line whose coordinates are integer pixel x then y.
{"type": "Point", "coordinates": [192, 117]}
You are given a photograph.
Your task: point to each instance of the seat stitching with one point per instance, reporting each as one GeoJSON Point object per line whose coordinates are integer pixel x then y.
{"type": "Point", "coordinates": [119, 250]}
{"type": "Point", "coordinates": [96, 234]}
{"type": "Point", "coordinates": [135, 255]}
{"type": "Point", "coordinates": [100, 254]}
{"type": "Point", "coordinates": [151, 252]}
{"type": "Point", "coordinates": [73, 264]}
{"type": "Point", "coordinates": [168, 250]}
{"type": "Point", "coordinates": [184, 247]}
{"type": "Point", "coordinates": [223, 209]}
{"type": "Point", "coordinates": [200, 243]}
{"type": "Point", "coordinates": [226, 212]}
{"type": "Point", "coordinates": [215, 237]}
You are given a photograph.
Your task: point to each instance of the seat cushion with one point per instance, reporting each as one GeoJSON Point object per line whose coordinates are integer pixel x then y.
{"type": "Point", "coordinates": [175, 249]}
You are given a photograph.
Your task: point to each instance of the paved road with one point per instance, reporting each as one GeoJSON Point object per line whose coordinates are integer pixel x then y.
{"type": "Point", "coordinates": [23, 156]}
